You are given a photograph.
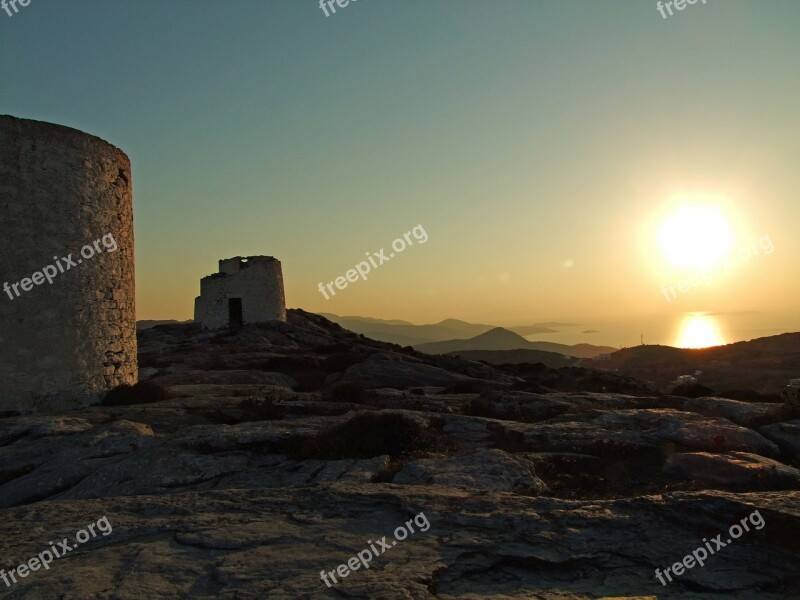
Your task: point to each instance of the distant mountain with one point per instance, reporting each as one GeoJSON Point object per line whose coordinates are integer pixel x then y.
{"type": "Point", "coordinates": [494, 339]}
{"type": "Point", "coordinates": [515, 357]}
{"type": "Point", "coordinates": [145, 324]}
{"type": "Point", "coordinates": [337, 318]}
{"type": "Point", "coordinates": [503, 339]}
{"type": "Point", "coordinates": [764, 365]}
{"type": "Point", "coordinates": [408, 334]}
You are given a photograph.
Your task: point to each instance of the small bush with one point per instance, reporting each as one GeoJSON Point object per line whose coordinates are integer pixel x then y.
{"type": "Point", "coordinates": [351, 391]}
{"type": "Point", "coordinates": [368, 435]}
{"type": "Point", "coordinates": [386, 474]}
{"type": "Point", "coordinates": [305, 370]}
{"type": "Point", "coordinates": [264, 409]}
{"type": "Point", "coordinates": [251, 409]}
{"type": "Point", "coordinates": [692, 390]}
{"type": "Point", "coordinates": [143, 392]}
{"type": "Point", "coordinates": [341, 361]}
{"type": "Point", "coordinates": [749, 396]}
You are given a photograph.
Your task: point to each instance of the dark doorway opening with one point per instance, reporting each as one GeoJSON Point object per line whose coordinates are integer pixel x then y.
{"type": "Point", "coordinates": [235, 312]}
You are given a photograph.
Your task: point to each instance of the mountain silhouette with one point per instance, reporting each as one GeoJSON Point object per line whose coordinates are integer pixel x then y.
{"type": "Point", "coordinates": [500, 338]}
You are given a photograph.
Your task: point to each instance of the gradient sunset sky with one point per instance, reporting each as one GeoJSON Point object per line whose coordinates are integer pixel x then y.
{"type": "Point", "coordinates": [542, 145]}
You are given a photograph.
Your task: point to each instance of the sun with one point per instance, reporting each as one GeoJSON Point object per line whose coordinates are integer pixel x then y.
{"type": "Point", "coordinates": [699, 331]}
{"type": "Point", "coordinates": [695, 236]}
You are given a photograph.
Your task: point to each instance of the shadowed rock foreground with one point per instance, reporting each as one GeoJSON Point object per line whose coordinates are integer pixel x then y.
{"type": "Point", "coordinates": [251, 460]}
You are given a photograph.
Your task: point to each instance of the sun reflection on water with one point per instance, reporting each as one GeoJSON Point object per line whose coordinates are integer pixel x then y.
{"type": "Point", "coordinates": [699, 331]}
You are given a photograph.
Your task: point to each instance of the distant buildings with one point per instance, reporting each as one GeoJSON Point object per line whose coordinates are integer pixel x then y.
{"type": "Point", "coordinates": [246, 290]}
{"type": "Point", "coordinates": [791, 393]}
{"type": "Point", "coordinates": [684, 380]}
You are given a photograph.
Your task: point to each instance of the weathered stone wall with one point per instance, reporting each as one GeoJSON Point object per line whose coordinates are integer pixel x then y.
{"type": "Point", "coordinates": [64, 344]}
{"type": "Point", "coordinates": [257, 280]}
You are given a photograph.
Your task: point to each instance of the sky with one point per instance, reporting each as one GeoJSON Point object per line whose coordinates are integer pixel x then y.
{"type": "Point", "coordinates": [545, 148]}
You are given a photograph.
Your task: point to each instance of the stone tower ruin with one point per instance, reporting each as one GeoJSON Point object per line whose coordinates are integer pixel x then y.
{"type": "Point", "coordinates": [246, 290]}
{"type": "Point", "coordinates": [67, 313]}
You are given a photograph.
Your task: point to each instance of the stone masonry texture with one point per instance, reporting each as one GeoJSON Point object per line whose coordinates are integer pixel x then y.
{"type": "Point", "coordinates": [64, 344]}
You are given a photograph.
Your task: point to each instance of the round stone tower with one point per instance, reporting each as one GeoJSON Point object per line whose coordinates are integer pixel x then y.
{"type": "Point", "coordinates": [67, 306]}
{"type": "Point", "coordinates": [246, 290]}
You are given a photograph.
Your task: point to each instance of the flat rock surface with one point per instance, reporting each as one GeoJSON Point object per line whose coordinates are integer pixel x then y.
{"type": "Point", "coordinates": [482, 470]}
{"type": "Point", "coordinates": [273, 544]}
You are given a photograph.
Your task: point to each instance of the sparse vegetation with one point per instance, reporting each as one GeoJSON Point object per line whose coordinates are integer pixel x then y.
{"type": "Point", "coordinates": [351, 391]}
{"type": "Point", "coordinates": [251, 409]}
{"type": "Point", "coordinates": [749, 396]}
{"type": "Point", "coordinates": [368, 435]}
{"type": "Point", "coordinates": [143, 392]}
{"type": "Point", "coordinates": [386, 475]}
{"type": "Point", "coordinates": [342, 361]}
{"type": "Point", "coordinates": [692, 390]}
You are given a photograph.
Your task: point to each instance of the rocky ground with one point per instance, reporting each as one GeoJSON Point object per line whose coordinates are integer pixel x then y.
{"type": "Point", "coordinates": [249, 461]}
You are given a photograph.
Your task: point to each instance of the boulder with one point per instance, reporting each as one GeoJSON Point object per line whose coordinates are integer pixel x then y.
{"type": "Point", "coordinates": [481, 470]}
{"type": "Point", "coordinates": [734, 469]}
{"type": "Point", "coordinates": [630, 431]}
{"type": "Point", "coordinates": [786, 436]}
{"type": "Point", "coordinates": [746, 414]}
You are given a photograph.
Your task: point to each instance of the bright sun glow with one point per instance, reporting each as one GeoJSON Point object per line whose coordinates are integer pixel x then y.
{"type": "Point", "coordinates": [695, 237]}
{"type": "Point", "coordinates": [699, 331]}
